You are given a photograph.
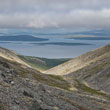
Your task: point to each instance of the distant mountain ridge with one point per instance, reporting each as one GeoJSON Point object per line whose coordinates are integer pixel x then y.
{"type": "Point", "coordinates": [21, 38]}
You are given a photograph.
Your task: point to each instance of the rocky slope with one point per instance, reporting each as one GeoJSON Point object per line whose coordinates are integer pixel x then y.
{"type": "Point", "coordinates": [23, 88]}
{"type": "Point", "coordinates": [97, 73]}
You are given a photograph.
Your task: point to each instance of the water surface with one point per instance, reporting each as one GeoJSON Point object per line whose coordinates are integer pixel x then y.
{"type": "Point", "coordinates": [59, 48]}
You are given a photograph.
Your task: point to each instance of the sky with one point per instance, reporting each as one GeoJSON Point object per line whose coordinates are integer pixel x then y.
{"type": "Point", "coordinates": [62, 15]}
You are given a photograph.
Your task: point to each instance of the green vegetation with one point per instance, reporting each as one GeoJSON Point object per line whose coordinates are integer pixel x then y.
{"type": "Point", "coordinates": [53, 80]}
{"type": "Point", "coordinates": [2, 106]}
{"type": "Point", "coordinates": [42, 64]}
{"type": "Point", "coordinates": [108, 75]}
{"type": "Point", "coordinates": [85, 88]}
{"type": "Point", "coordinates": [1, 83]}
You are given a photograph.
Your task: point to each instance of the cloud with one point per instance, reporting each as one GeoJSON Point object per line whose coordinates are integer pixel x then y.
{"type": "Point", "coordinates": [60, 14]}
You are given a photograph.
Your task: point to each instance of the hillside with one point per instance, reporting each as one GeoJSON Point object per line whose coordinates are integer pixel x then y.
{"type": "Point", "coordinates": [89, 72]}
{"type": "Point", "coordinates": [24, 88]}
{"type": "Point", "coordinates": [10, 55]}
{"type": "Point", "coordinates": [97, 73]}
{"type": "Point", "coordinates": [79, 62]}
{"type": "Point", "coordinates": [21, 38]}
{"type": "Point", "coordinates": [42, 64]}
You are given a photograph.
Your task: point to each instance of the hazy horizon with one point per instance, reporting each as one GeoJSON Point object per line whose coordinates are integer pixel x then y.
{"type": "Point", "coordinates": [59, 21]}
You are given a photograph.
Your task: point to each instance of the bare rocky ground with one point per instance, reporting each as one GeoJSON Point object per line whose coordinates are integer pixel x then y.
{"type": "Point", "coordinates": [23, 88]}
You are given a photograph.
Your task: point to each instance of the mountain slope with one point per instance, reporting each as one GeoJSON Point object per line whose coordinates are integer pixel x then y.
{"type": "Point", "coordinates": [24, 88]}
{"type": "Point", "coordinates": [95, 75]}
{"type": "Point", "coordinates": [79, 62]}
{"type": "Point", "coordinates": [42, 64]}
{"type": "Point", "coordinates": [10, 55]}
{"type": "Point", "coordinates": [89, 72]}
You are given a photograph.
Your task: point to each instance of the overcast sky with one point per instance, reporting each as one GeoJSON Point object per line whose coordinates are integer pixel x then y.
{"type": "Point", "coordinates": [55, 14]}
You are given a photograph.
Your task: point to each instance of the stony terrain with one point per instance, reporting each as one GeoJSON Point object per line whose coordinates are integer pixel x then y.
{"type": "Point", "coordinates": [97, 73]}
{"type": "Point", "coordinates": [23, 88]}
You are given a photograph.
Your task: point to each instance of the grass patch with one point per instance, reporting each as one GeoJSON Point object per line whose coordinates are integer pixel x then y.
{"type": "Point", "coordinates": [108, 75]}
{"type": "Point", "coordinates": [51, 80]}
{"type": "Point", "coordinates": [57, 77]}
{"type": "Point", "coordinates": [1, 83]}
{"type": "Point", "coordinates": [88, 89]}
{"type": "Point", "coordinates": [2, 106]}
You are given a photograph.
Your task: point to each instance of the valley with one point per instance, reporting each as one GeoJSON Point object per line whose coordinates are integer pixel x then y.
{"type": "Point", "coordinates": [81, 83]}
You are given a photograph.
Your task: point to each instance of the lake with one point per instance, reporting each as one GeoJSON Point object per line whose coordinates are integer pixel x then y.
{"type": "Point", "coordinates": [54, 47]}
